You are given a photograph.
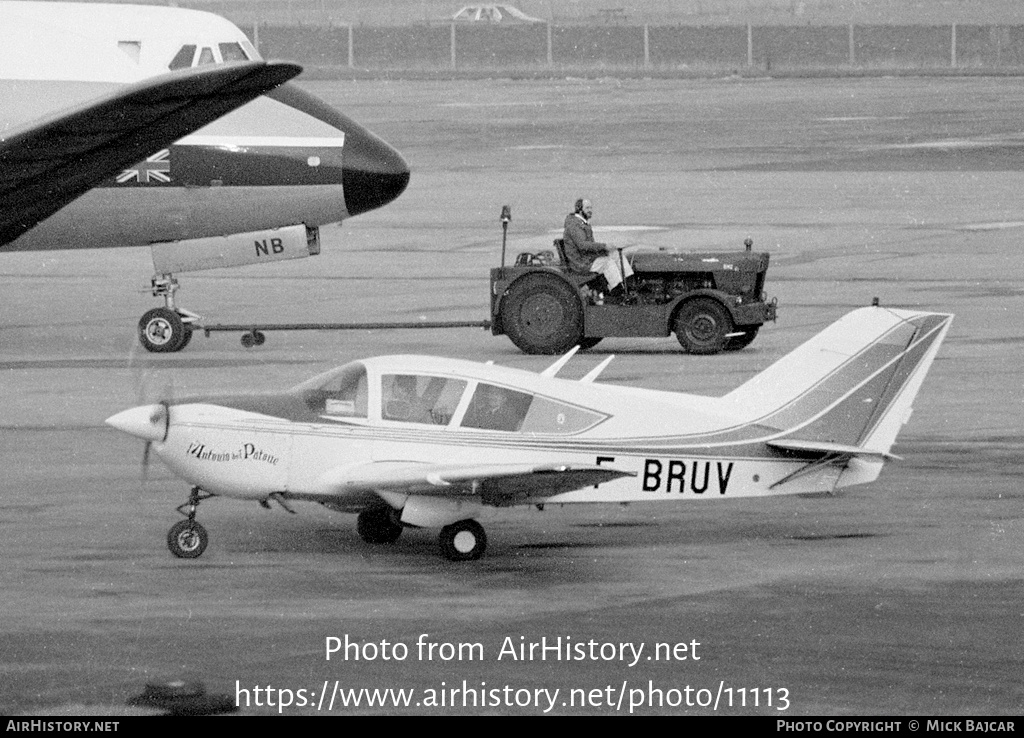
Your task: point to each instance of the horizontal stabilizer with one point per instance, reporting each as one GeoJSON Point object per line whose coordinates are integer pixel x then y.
{"type": "Point", "coordinates": [824, 447]}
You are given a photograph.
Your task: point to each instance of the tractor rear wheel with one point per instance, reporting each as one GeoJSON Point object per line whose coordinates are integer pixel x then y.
{"type": "Point", "coordinates": [542, 314]}
{"type": "Point", "coordinates": [701, 326]}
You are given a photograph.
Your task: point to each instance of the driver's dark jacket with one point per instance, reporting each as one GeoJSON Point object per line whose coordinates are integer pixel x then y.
{"type": "Point", "coordinates": [579, 245]}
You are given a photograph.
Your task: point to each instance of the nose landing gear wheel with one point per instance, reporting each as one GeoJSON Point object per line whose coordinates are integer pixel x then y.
{"type": "Point", "coordinates": [162, 330]}
{"type": "Point", "coordinates": [463, 541]}
{"type": "Point", "coordinates": [187, 539]}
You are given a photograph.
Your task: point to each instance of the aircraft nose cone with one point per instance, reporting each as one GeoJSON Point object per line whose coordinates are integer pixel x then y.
{"type": "Point", "coordinates": [373, 173]}
{"type": "Point", "coordinates": [148, 422]}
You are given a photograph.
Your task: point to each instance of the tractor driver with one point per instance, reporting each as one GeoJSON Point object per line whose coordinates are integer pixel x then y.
{"type": "Point", "coordinates": [584, 254]}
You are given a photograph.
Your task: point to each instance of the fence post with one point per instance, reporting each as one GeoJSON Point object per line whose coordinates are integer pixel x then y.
{"type": "Point", "coordinates": [551, 58]}
{"type": "Point", "coordinates": [750, 45]}
{"type": "Point", "coordinates": [952, 46]}
{"type": "Point", "coordinates": [256, 35]}
{"type": "Point", "coordinates": [351, 51]}
{"type": "Point", "coordinates": [453, 46]}
{"type": "Point", "coordinates": [853, 48]}
{"type": "Point", "coordinates": [647, 46]}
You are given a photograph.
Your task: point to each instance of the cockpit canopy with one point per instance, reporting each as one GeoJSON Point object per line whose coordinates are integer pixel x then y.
{"type": "Point", "coordinates": [435, 399]}
{"type": "Point", "coordinates": [195, 55]}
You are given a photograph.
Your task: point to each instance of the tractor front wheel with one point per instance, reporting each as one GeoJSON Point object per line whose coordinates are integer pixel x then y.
{"type": "Point", "coordinates": [701, 325]}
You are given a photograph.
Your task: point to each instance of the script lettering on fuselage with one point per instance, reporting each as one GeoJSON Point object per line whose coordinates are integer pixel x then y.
{"type": "Point", "coordinates": [677, 476]}
{"type": "Point", "coordinates": [247, 452]}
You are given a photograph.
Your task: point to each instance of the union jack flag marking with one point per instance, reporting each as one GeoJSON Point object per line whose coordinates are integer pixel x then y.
{"type": "Point", "coordinates": [156, 168]}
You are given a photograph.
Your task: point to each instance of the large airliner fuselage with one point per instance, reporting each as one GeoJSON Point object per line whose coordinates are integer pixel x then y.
{"type": "Point", "coordinates": [281, 160]}
{"type": "Point", "coordinates": [253, 186]}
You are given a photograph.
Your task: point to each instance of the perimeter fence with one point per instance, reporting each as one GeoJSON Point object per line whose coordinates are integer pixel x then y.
{"type": "Point", "coordinates": [712, 49]}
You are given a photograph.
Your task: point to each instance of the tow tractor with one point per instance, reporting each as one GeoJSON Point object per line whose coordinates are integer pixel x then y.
{"type": "Point", "coordinates": [712, 301]}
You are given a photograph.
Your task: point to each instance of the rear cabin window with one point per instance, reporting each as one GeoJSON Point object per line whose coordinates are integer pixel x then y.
{"type": "Point", "coordinates": [550, 416]}
{"type": "Point", "coordinates": [416, 398]}
{"type": "Point", "coordinates": [183, 58]}
{"type": "Point", "coordinates": [498, 408]}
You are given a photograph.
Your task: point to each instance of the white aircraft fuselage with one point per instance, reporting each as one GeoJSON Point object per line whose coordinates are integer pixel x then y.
{"type": "Point", "coordinates": [435, 440]}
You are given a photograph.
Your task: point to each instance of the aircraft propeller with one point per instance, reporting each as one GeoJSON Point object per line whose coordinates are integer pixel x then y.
{"type": "Point", "coordinates": [161, 415]}
{"type": "Point", "coordinates": [150, 421]}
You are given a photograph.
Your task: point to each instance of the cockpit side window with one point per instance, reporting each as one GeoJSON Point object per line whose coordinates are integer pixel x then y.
{"type": "Point", "coordinates": [206, 57]}
{"type": "Point", "coordinates": [412, 398]}
{"type": "Point", "coordinates": [232, 52]}
{"type": "Point", "coordinates": [183, 58]}
{"type": "Point", "coordinates": [131, 49]}
{"type": "Point", "coordinates": [341, 393]}
{"type": "Point", "coordinates": [497, 408]}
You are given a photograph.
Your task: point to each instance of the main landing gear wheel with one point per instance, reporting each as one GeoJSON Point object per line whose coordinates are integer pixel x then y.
{"type": "Point", "coordinates": [463, 541]}
{"type": "Point", "coordinates": [701, 325]}
{"type": "Point", "coordinates": [739, 342]}
{"type": "Point", "coordinates": [187, 539]}
{"type": "Point", "coordinates": [161, 330]}
{"type": "Point", "coordinates": [378, 525]}
{"type": "Point", "coordinates": [542, 314]}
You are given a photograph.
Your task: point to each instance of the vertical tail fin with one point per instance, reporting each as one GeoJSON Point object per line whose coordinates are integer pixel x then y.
{"type": "Point", "coordinates": [849, 389]}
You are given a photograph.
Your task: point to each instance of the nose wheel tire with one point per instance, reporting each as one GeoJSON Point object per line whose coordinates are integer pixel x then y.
{"type": "Point", "coordinates": [702, 325]}
{"type": "Point", "coordinates": [463, 541]}
{"type": "Point", "coordinates": [161, 330]}
{"type": "Point", "coordinates": [187, 539]}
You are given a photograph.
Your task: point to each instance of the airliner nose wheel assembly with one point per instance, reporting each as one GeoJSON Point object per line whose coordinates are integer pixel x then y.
{"type": "Point", "coordinates": [166, 329]}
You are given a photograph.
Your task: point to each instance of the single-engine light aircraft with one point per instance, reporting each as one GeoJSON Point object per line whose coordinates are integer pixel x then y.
{"type": "Point", "coordinates": [428, 442]}
{"type": "Point", "coordinates": [253, 186]}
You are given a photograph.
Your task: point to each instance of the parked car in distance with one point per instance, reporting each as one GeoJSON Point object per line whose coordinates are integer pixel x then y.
{"type": "Point", "coordinates": [494, 14]}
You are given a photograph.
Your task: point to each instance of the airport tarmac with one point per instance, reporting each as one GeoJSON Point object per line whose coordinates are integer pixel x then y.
{"type": "Point", "coordinates": [903, 597]}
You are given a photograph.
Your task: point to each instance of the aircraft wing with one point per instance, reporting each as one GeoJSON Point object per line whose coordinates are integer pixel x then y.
{"type": "Point", "coordinates": [50, 162]}
{"type": "Point", "coordinates": [496, 484]}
